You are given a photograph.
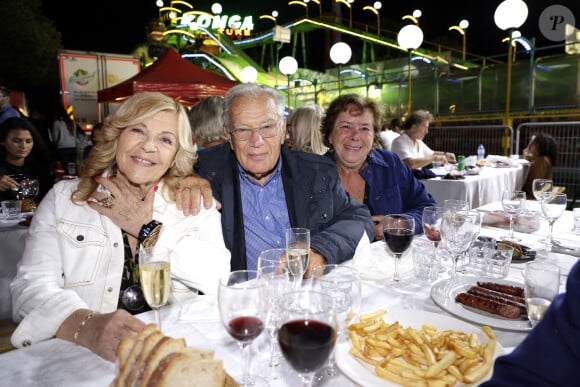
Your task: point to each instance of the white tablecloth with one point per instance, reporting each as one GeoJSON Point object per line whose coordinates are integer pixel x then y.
{"type": "Point", "coordinates": [12, 239]}
{"type": "Point", "coordinates": [480, 189]}
{"type": "Point", "coordinates": [60, 363]}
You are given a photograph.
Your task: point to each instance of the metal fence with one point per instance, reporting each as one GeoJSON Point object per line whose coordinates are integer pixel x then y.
{"type": "Point", "coordinates": [501, 140]}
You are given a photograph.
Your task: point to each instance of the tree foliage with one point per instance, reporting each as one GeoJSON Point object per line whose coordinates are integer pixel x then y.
{"type": "Point", "coordinates": [29, 46]}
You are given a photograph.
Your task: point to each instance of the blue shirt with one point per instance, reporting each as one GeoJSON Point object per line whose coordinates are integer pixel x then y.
{"type": "Point", "coordinates": [265, 214]}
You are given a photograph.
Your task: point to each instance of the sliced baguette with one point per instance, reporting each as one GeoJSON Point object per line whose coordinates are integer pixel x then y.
{"type": "Point", "coordinates": [180, 370]}
{"type": "Point", "coordinates": [139, 363]}
{"type": "Point", "coordinates": [125, 360]}
{"type": "Point", "coordinates": [164, 347]}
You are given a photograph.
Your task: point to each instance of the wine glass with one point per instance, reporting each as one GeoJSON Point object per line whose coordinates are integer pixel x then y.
{"type": "Point", "coordinates": [307, 331]}
{"type": "Point", "coordinates": [398, 230]}
{"type": "Point", "coordinates": [513, 203]}
{"type": "Point", "coordinates": [243, 312]}
{"type": "Point", "coordinates": [342, 284]}
{"type": "Point", "coordinates": [28, 190]}
{"type": "Point", "coordinates": [278, 258]}
{"type": "Point", "coordinates": [453, 205]}
{"type": "Point", "coordinates": [539, 186]}
{"type": "Point", "coordinates": [298, 245]}
{"type": "Point", "coordinates": [154, 271]}
{"type": "Point", "coordinates": [458, 231]}
{"type": "Point", "coordinates": [553, 205]}
{"type": "Point", "coordinates": [431, 221]}
{"type": "Point", "coordinates": [277, 282]}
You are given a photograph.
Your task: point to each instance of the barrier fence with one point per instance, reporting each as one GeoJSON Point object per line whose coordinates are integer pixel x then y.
{"type": "Point", "coordinates": [502, 140]}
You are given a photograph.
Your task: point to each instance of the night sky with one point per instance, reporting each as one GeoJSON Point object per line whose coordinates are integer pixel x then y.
{"type": "Point", "coordinates": [97, 26]}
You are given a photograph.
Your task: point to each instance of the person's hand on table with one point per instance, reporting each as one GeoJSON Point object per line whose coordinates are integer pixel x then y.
{"type": "Point", "coordinates": [378, 221]}
{"type": "Point", "coordinates": [6, 183]}
{"type": "Point", "coordinates": [190, 193]}
{"type": "Point", "coordinates": [315, 259]}
{"type": "Point", "coordinates": [126, 208]}
{"type": "Point", "coordinates": [450, 157]}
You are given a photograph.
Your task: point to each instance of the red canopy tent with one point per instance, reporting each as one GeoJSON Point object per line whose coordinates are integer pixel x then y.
{"type": "Point", "coordinates": [174, 76]}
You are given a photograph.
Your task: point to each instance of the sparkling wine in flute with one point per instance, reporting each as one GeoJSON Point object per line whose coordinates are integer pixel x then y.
{"type": "Point", "coordinates": [536, 307]}
{"type": "Point", "coordinates": [303, 254]}
{"type": "Point", "coordinates": [155, 280]}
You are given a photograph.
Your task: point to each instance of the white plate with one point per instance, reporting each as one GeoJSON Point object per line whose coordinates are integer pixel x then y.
{"type": "Point", "coordinates": [443, 292]}
{"type": "Point", "coordinates": [364, 374]}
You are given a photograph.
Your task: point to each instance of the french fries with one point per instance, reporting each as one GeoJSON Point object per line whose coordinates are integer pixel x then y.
{"type": "Point", "coordinates": [421, 357]}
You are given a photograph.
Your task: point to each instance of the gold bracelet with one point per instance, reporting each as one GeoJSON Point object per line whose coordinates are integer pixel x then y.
{"type": "Point", "coordinates": [83, 323]}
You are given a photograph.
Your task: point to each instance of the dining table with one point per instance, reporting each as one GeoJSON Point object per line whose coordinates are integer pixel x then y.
{"type": "Point", "coordinates": [478, 185]}
{"type": "Point", "coordinates": [13, 235]}
{"type": "Point", "coordinates": [57, 362]}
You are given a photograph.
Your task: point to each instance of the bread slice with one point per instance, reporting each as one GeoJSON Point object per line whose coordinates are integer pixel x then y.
{"type": "Point", "coordinates": [139, 363]}
{"type": "Point", "coordinates": [163, 348]}
{"type": "Point", "coordinates": [199, 353]}
{"type": "Point", "coordinates": [126, 359]}
{"type": "Point", "coordinates": [180, 370]}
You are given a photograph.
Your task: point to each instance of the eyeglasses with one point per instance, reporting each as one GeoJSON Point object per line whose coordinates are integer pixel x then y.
{"type": "Point", "coordinates": [267, 130]}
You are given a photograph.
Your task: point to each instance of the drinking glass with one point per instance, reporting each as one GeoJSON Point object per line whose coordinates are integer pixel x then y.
{"type": "Point", "coordinates": [431, 221]}
{"type": "Point", "coordinates": [454, 205]}
{"type": "Point", "coordinates": [28, 189]}
{"type": "Point", "coordinates": [243, 312]}
{"type": "Point", "coordinates": [279, 258]}
{"type": "Point", "coordinates": [541, 285]}
{"type": "Point", "coordinates": [553, 205]}
{"type": "Point", "coordinates": [398, 230]}
{"type": "Point", "coordinates": [307, 331]}
{"type": "Point", "coordinates": [539, 186]}
{"type": "Point", "coordinates": [342, 284]}
{"type": "Point", "coordinates": [298, 245]}
{"type": "Point", "coordinates": [458, 231]}
{"type": "Point", "coordinates": [154, 271]}
{"type": "Point", "coordinates": [276, 282]}
{"type": "Point", "coordinates": [513, 203]}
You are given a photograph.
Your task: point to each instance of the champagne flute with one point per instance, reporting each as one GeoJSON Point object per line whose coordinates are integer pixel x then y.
{"type": "Point", "coordinates": [398, 230]}
{"type": "Point", "coordinates": [277, 282]}
{"type": "Point", "coordinates": [431, 221]}
{"type": "Point", "coordinates": [553, 205]}
{"type": "Point", "coordinates": [298, 245]}
{"type": "Point", "coordinates": [243, 311]}
{"type": "Point", "coordinates": [342, 284]}
{"type": "Point", "coordinates": [513, 203]}
{"type": "Point", "coordinates": [278, 258]}
{"type": "Point", "coordinates": [307, 331]}
{"type": "Point", "coordinates": [154, 271]}
{"type": "Point", "coordinates": [458, 231]}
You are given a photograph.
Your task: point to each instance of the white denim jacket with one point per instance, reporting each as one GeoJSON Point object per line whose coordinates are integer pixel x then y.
{"type": "Point", "coordinates": [74, 259]}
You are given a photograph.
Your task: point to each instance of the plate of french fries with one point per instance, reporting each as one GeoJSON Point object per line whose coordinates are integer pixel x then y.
{"type": "Point", "coordinates": [416, 348]}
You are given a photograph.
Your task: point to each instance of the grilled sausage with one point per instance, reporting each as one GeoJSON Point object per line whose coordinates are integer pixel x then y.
{"type": "Point", "coordinates": [499, 297]}
{"type": "Point", "coordinates": [488, 305]}
{"type": "Point", "coordinates": [508, 289]}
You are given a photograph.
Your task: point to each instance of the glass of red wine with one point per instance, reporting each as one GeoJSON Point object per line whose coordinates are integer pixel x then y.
{"type": "Point", "coordinates": [398, 230]}
{"type": "Point", "coordinates": [308, 329]}
{"type": "Point", "coordinates": [243, 312]}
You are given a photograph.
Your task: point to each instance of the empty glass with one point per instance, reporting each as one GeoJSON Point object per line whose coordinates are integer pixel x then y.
{"type": "Point", "coordinates": [513, 203]}
{"type": "Point", "coordinates": [542, 284]}
{"type": "Point", "coordinates": [553, 205]}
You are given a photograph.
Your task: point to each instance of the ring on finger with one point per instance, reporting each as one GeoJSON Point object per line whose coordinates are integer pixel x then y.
{"type": "Point", "coordinates": [108, 202]}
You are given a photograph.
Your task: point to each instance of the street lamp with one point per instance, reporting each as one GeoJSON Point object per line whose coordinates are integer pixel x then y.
{"type": "Point", "coordinates": [461, 29]}
{"type": "Point", "coordinates": [349, 5]}
{"type": "Point", "coordinates": [414, 17]}
{"type": "Point", "coordinates": [249, 74]}
{"type": "Point", "coordinates": [340, 53]}
{"type": "Point", "coordinates": [319, 6]}
{"type": "Point", "coordinates": [375, 9]}
{"type": "Point", "coordinates": [295, 2]}
{"type": "Point", "coordinates": [288, 66]}
{"type": "Point", "coordinates": [272, 17]}
{"type": "Point", "coordinates": [410, 38]}
{"type": "Point", "coordinates": [510, 15]}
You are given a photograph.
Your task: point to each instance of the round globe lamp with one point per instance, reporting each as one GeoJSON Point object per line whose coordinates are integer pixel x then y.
{"type": "Point", "coordinates": [288, 66]}
{"type": "Point", "coordinates": [410, 38]}
{"type": "Point", "coordinates": [340, 53]}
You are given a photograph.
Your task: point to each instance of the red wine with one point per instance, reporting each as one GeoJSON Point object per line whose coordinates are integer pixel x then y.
{"type": "Point", "coordinates": [245, 328]}
{"type": "Point", "coordinates": [398, 239]}
{"type": "Point", "coordinates": [306, 344]}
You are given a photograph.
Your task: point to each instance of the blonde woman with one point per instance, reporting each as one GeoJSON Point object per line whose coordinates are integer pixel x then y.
{"type": "Point", "coordinates": [81, 254]}
{"type": "Point", "coordinates": [305, 134]}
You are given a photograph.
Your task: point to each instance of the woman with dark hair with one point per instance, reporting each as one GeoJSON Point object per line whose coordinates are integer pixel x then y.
{"type": "Point", "coordinates": [23, 155]}
{"type": "Point", "coordinates": [541, 152]}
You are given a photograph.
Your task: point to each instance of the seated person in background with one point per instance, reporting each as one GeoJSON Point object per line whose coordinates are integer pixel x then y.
{"type": "Point", "coordinates": [23, 155]}
{"type": "Point", "coordinates": [410, 147]}
{"type": "Point", "coordinates": [206, 120]}
{"type": "Point", "coordinates": [82, 250]}
{"type": "Point", "coordinates": [549, 354]}
{"type": "Point", "coordinates": [265, 188]}
{"type": "Point", "coordinates": [541, 152]}
{"type": "Point", "coordinates": [370, 174]}
{"type": "Point", "coordinates": [389, 132]}
{"type": "Point", "coordinates": [304, 127]}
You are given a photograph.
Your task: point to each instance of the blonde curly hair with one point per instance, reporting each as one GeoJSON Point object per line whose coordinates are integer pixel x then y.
{"type": "Point", "coordinates": [133, 111]}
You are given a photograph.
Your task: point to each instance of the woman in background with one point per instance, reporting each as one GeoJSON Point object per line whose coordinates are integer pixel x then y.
{"type": "Point", "coordinates": [304, 128]}
{"type": "Point", "coordinates": [207, 123]}
{"type": "Point", "coordinates": [541, 152]}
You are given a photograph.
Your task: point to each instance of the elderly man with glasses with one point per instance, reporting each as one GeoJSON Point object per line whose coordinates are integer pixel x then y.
{"type": "Point", "coordinates": [265, 188]}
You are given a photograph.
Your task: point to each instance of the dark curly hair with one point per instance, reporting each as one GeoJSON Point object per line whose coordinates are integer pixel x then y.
{"type": "Point", "coordinates": [546, 146]}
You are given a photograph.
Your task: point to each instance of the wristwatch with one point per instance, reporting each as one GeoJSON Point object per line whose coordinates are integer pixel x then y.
{"type": "Point", "coordinates": [149, 233]}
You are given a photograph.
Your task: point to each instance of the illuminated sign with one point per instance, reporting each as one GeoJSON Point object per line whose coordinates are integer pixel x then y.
{"type": "Point", "coordinates": [218, 22]}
